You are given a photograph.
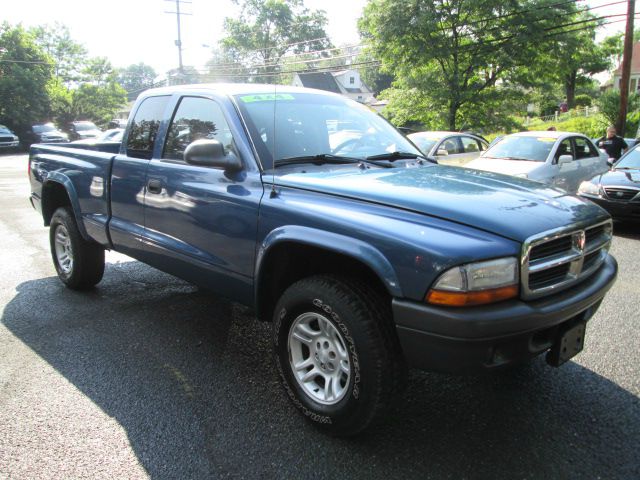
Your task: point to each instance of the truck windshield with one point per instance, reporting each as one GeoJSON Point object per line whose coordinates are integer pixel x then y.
{"type": "Point", "coordinates": [291, 125]}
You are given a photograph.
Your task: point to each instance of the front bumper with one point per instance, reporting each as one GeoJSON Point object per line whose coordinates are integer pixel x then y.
{"type": "Point", "coordinates": [461, 340]}
{"type": "Point", "coordinates": [618, 209]}
{"type": "Point", "coordinates": [15, 144]}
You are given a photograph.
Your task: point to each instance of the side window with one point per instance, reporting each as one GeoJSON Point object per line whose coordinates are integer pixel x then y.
{"type": "Point", "coordinates": [144, 127]}
{"type": "Point", "coordinates": [565, 149]}
{"type": "Point", "coordinates": [196, 118]}
{"type": "Point", "coordinates": [584, 148]}
{"type": "Point", "coordinates": [469, 145]}
{"type": "Point", "coordinates": [450, 145]}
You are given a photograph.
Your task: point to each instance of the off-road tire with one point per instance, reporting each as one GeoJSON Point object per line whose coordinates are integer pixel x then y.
{"type": "Point", "coordinates": [87, 257]}
{"type": "Point", "coordinates": [363, 318]}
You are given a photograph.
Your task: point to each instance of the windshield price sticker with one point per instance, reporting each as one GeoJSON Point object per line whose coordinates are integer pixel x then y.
{"type": "Point", "coordinates": [266, 97]}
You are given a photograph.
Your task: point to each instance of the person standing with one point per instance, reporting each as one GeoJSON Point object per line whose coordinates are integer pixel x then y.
{"type": "Point", "coordinates": [612, 144]}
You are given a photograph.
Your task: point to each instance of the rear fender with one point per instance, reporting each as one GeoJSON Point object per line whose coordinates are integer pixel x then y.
{"type": "Point", "coordinates": [53, 180]}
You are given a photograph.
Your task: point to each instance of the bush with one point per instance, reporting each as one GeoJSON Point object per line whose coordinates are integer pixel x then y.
{"type": "Point", "coordinates": [592, 127]}
{"type": "Point", "coordinates": [582, 101]}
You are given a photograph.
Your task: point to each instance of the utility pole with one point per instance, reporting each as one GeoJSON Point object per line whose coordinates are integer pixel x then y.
{"type": "Point", "coordinates": [178, 42]}
{"type": "Point", "coordinates": [626, 68]}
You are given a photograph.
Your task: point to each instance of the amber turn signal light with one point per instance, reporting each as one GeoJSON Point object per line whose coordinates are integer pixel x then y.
{"type": "Point", "coordinates": [466, 299]}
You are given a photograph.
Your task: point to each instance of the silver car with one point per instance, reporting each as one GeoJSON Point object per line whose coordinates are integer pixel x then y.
{"type": "Point", "coordinates": [561, 159]}
{"type": "Point", "coordinates": [449, 148]}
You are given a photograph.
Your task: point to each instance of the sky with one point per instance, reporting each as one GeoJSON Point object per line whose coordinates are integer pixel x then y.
{"type": "Point", "coordinates": [133, 31]}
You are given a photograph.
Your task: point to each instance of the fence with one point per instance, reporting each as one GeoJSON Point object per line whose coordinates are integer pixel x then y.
{"type": "Point", "coordinates": [558, 116]}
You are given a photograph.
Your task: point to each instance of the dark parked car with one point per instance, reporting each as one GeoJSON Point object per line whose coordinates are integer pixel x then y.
{"type": "Point", "coordinates": [618, 190]}
{"type": "Point", "coordinates": [82, 130]}
{"type": "Point", "coordinates": [45, 133]}
{"type": "Point", "coordinates": [8, 139]}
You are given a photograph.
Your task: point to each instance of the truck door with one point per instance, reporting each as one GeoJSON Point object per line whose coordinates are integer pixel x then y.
{"type": "Point", "coordinates": [126, 226]}
{"type": "Point", "coordinates": [200, 221]}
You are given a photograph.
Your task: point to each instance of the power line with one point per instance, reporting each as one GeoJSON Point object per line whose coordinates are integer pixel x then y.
{"type": "Point", "coordinates": [312, 52]}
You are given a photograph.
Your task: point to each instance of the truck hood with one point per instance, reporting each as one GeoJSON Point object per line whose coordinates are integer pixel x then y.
{"type": "Point", "coordinates": [508, 167]}
{"type": "Point", "coordinates": [511, 207]}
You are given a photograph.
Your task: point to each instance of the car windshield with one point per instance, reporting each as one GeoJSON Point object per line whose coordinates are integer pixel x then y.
{"type": "Point", "coordinates": [630, 160]}
{"type": "Point", "coordinates": [424, 143]}
{"type": "Point", "coordinates": [85, 126]}
{"type": "Point", "coordinates": [48, 127]}
{"type": "Point", "coordinates": [535, 149]}
{"type": "Point", "coordinates": [292, 125]}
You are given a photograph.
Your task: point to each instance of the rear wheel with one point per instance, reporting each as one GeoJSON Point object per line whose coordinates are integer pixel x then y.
{"type": "Point", "coordinates": [337, 353]}
{"type": "Point", "coordinates": [79, 262]}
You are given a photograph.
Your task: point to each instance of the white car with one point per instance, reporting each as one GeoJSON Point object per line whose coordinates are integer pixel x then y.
{"type": "Point", "coordinates": [561, 159]}
{"type": "Point", "coordinates": [449, 148]}
{"type": "Point", "coordinates": [113, 135]}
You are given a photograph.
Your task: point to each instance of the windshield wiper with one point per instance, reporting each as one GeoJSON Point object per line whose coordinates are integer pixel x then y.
{"type": "Point", "coordinates": [323, 159]}
{"type": "Point", "coordinates": [393, 156]}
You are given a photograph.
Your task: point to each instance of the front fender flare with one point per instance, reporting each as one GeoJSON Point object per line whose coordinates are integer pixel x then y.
{"type": "Point", "coordinates": [333, 242]}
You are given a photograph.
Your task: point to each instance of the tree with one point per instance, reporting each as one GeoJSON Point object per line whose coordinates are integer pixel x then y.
{"type": "Point", "coordinates": [68, 56]}
{"type": "Point", "coordinates": [136, 78]}
{"type": "Point", "coordinates": [609, 107]}
{"type": "Point", "coordinates": [461, 54]}
{"type": "Point", "coordinates": [267, 30]}
{"type": "Point", "coordinates": [25, 71]}
{"type": "Point", "coordinates": [575, 57]}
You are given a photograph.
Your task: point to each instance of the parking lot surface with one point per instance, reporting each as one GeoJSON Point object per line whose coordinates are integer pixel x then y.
{"type": "Point", "coordinates": [149, 377]}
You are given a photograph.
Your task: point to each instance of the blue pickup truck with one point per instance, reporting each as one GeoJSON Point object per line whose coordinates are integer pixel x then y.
{"type": "Point", "coordinates": [314, 211]}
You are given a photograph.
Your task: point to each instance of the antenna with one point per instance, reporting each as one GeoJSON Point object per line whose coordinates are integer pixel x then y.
{"type": "Point", "coordinates": [178, 42]}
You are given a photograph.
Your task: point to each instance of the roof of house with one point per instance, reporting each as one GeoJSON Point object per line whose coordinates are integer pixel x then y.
{"type": "Point", "coordinates": [635, 60]}
{"type": "Point", "coordinates": [319, 80]}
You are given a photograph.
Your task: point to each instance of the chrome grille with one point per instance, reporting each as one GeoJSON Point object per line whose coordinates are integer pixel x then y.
{"type": "Point", "coordinates": [619, 193]}
{"type": "Point", "coordinates": [561, 258]}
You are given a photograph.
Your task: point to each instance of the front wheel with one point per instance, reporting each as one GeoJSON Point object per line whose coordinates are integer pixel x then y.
{"type": "Point", "coordinates": [337, 353]}
{"type": "Point", "coordinates": [79, 262]}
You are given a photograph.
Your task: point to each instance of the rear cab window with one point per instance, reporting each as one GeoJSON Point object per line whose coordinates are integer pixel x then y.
{"type": "Point", "coordinates": [144, 127]}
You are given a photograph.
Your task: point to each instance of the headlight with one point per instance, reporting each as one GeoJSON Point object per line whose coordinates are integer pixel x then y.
{"type": "Point", "coordinates": [589, 188]}
{"type": "Point", "coordinates": [476, 283]}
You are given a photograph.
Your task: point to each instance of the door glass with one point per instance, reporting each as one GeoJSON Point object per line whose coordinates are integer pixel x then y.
{"type": "Point", "coordinates": [565, 149]}
{"type": "Point", "coordinates": [144, 127]}
{"type": "Point", "coordinates": [469, 145]}
{"type": "Point", "coordinates": [196, 119]}
{"type": "Point", "coordinates": [450, 145]}
{"type": "Point", "coordinates": [584, 148]}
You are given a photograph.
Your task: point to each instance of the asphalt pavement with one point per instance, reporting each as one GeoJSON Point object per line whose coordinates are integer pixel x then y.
{"type": "Point", "coordinates": [149, 377]}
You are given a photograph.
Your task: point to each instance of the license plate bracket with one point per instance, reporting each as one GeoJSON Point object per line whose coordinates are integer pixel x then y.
{"type": "Point", "coordinates": [568, 343]}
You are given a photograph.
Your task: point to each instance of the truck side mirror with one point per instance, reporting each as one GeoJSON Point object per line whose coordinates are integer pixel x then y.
{"type": "Point", "coordinates": [210, 153]}
{"type": "Point", "coordinates": [563, 159]}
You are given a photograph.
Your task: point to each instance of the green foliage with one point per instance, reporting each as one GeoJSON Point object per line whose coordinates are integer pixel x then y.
{"type": "Point", "coordinates": [609, 107]}
{"type": "Point", "coordinates": [49, 77]}
{"type": "Point", "coordinates": [267, 29]}
{"type": "Point", "coordinates": [466, 58]}
{"type": "Point", "coordinates": [136, 78]}
{"type": "Point", "coordinates": [24, 75]}
{"type": "Point", "coordinates": [98, 102]}
{"type": "Point", "coordinates": [68, 56]}
{"type": "Point", "coordinates": [583, 101]}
